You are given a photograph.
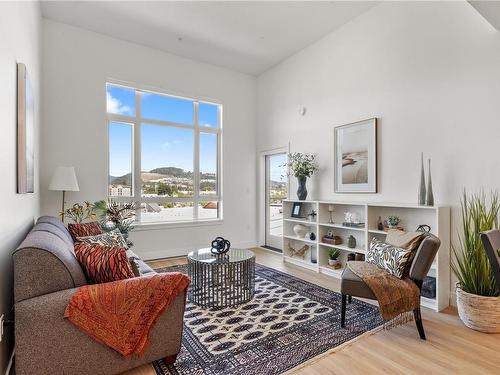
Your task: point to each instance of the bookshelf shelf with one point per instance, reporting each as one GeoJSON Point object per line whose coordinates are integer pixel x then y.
{"type": "Point", "coordinates": [438, 218]}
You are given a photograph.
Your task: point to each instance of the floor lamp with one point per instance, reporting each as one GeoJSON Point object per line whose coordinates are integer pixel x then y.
{"type": "Point", "coordinates": [64, 179]}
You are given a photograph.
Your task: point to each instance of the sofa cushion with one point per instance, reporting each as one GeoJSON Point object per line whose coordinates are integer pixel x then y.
{"type": "Point", "coordinates": [45, 263]}
{"type": "Point", "coordinates": [84, 229]}
{"type": "Point", "coordinates": [103, 264]}
{"type": "Point", "coordinates": [54, 221]}
{"type": "Point", "coordinates": [394, 260]}
{"type": "Point", "coordinates": [111, 239]}
{"type": "Point", "coordinates": [63, 233]}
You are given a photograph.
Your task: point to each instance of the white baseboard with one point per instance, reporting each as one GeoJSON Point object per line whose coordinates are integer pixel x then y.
{"type": "Point", "coordinates": [179, 252]}
{"type": "Point", "coordinates": [11, 361]}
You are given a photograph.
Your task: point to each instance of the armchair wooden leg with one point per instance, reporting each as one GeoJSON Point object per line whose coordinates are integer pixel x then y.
{"type": "Point", "coordinates": [342, 311]}
{"type": "Point", "coordinates": [170, 360]}
{"type": "Point", "coordinates": [349, 299]}
{"type": "Point", "coordinates": [418, 320]}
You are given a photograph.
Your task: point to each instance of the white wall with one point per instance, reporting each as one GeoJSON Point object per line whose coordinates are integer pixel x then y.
{"type": "Point", "coordinates": [77, 64]}
{"type": "Point", "coordinates": [20, 39]}
{"type": "Point", "coordinates": [429, 71]}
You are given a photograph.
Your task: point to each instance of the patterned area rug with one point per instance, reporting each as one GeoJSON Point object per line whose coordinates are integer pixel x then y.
{"type": "Point", "coordinates": [288, 322]}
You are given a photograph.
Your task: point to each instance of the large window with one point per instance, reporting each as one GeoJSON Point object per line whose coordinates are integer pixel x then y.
{"type": "Point", "coordinates": [164, 152]}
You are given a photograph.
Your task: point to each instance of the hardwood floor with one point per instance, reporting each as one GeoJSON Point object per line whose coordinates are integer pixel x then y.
{"type": "Point", "coordinates": [450, 348]}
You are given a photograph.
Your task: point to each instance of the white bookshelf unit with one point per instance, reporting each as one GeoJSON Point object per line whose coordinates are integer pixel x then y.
{"type": "Point", "coordinates": [316, 259]}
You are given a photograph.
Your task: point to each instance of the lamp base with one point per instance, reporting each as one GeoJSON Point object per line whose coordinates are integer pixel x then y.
{"type": "Point", "coordinates": [61, 214]}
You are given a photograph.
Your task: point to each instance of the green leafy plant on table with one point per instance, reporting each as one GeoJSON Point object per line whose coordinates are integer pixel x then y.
{"type": "Point", "coordinates": [117, 215]}
{"type": "Point", "coordinates": [79, 213]}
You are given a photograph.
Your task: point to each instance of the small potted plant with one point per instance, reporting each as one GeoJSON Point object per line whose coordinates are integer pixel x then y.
{"type": "Point", "coordinates": [393, 221]}
{"type": "Point", "coordinates": [333, 255]}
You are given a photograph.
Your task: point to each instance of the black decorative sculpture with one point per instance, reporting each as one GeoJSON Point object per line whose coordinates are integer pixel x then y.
{"type": "Point", "coordinates": [220, 246]}
{"type": "Point", "coordinates": [424, 228]}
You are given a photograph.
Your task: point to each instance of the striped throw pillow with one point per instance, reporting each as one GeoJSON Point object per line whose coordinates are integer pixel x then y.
{"type": "Point", "coordinates": [103, 264]}
{"type": "Point", "coordinates": [84, 229]}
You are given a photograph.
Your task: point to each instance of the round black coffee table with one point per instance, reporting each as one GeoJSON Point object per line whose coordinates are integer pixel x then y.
{"type": "Point", "coordinates": [221, 280]}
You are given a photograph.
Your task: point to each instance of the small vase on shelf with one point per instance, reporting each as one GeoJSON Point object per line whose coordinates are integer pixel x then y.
{"type": "Point", "coordinates": [429, 200]}
{"type": "Point", "coordinates": [351, 242]}
{"type": "Point", "coordinates": [421, 188]}
{"type": "Point", "coordinates": [314, 258]}
{"type": "Point", "coordinates": [380, 225]}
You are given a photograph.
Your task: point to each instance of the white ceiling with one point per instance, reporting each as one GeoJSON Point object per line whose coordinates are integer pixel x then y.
{"type": "Point", "coordinates": [490, 10]}
{"type": "Point", "coordinates": [247, 36]}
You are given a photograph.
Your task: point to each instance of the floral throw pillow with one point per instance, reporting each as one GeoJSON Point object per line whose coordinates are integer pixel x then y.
{"type": "Point", "coordinates": [84, 229]}
{"type": "Point", "coordinates": [394, 260]}
{"type": "Point", "coordinates": [103, 264]}
{"type": "Point", "coordinates": [111, 239]}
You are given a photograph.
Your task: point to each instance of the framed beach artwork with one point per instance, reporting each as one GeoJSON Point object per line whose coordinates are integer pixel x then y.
{"type": "Point", "coordinates": [25, 132]}
{"type": "Point", "coordinates": [356, 157]}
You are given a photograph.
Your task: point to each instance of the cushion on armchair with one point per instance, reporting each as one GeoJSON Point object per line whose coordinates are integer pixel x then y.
{"type": "Point", "coordinates": [405, 240]}
{"type": "Point", "coordinates": [103, 264]}
{"type": "Point", "coordinates": [394, 260]}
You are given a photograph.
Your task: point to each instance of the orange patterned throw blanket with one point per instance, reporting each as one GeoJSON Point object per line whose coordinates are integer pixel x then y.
{"type": "Point", "coordinates": [120, 314]}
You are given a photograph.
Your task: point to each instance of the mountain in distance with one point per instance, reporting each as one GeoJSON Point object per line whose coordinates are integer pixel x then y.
{"type": "Point", "coordinates": [158, 173]}
{"type": "Point", "coordinates": [172, 172]}
{"type": "Point", "coordinates": [125, 180]}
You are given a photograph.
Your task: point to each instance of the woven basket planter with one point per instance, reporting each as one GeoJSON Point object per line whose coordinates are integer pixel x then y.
{"type": "Point", "coordinates": [478, 312]}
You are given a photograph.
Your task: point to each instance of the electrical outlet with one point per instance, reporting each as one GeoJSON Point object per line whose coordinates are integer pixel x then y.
{"type": "Point", "coordinates": [2, 321]}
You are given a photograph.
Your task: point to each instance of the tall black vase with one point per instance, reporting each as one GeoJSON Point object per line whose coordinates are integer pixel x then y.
{"type": "Point", "coordinates": [302, 191]}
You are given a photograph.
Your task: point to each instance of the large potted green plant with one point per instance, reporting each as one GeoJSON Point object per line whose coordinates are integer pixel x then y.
{"type": "Point", "coordinates": [302, 166]}
{"type": "Point", "coordinates": [478, 301]}
{"type": "Point", "coordinates": [117, 215]}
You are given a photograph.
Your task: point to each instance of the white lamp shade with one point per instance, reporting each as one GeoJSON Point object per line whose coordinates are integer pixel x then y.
{"type": "Point", "coordinates": [64, 178]}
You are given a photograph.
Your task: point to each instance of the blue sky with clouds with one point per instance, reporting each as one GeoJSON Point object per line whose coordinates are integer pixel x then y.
{"type": "Point", "coordinates": [161, 146]}
{"type": "Point", "coordinates": [278, 170]}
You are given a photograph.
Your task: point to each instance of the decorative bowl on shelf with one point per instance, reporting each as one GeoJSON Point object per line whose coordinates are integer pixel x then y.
{"type": "Point", "coordinates": [300, 230]}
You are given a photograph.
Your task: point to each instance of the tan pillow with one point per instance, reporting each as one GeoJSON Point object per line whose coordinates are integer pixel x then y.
{"type": "Point", "coordinates": [405, 240]}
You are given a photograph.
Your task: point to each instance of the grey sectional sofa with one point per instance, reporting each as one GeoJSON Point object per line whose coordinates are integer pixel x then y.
{"type": "Point", "coordinates": [46, 274]}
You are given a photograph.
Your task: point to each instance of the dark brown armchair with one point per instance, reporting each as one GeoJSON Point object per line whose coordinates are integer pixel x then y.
{"type": "Point", "coordinates": [352, 285]}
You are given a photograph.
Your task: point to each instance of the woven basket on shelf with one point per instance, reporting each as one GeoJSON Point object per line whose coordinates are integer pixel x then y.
{"type": "Point", "coordinates": [332, 240]}
{"type": "Point", "coordinates": [478, 312]}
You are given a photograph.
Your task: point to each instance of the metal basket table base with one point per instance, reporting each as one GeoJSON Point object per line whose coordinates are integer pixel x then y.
{"type": "Point", "coordinates": [222, 280]}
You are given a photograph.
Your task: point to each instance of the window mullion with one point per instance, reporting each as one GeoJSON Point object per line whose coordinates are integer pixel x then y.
{"type": "Point", "coordinates": [218, 191]}
{"type": "Point", "coordinates": [137, 155]}
{"type": "Point", "coordinates": [196, 158]}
